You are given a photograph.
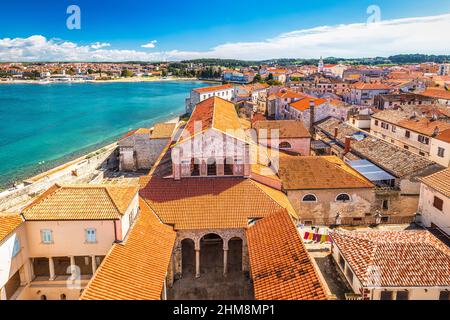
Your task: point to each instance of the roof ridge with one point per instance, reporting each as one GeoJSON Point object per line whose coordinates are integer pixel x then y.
{"type": "Point", "coordinates": [261, 190]}
{"type": "Point", "coordinates": [55, 187]}
{"type": "Point", "coordinates": [113, 201]}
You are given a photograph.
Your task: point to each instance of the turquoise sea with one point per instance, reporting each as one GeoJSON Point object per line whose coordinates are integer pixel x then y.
{"type": "Point", "coordinates": [44, 125]}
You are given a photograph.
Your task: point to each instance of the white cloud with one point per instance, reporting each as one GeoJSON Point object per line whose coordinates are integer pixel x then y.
{"type": "Point", "coordinates": [427, 35]}
{"type": "Point", "coordinates": [99, 45]}
{"type": "Point", "coordinates": [150, 45]}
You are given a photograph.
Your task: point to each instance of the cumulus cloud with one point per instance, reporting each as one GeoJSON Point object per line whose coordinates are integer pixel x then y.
{"type": "Point", "coordinates": [99, 45]}
{"type": "Point", "coordinates": [410, 35]}
{"type": "Point", "coordinates": [150, 45]}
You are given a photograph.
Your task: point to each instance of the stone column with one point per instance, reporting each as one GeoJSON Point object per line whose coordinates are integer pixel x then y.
{"type": "Point", "coordinates": [94, 264]}
{"type": "Point", "coordinates": [197, 263]}
{"type": "Point", "coordinates": [51, 268]}
{"type": "Point", "coordinates": [225, 261]}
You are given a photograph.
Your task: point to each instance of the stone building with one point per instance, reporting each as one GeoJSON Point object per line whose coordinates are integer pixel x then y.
{"type": "Point", "coordinates": [398, 199]}
{"type": "Point", "coordinates": [324, 190]}
{"type": "Point", "coordinates": [139, 149]}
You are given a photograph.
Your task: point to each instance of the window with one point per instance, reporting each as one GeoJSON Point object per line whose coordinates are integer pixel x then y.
{"type": "Point", "coordinates": [422, 153]}
{"type": "Point", "coordinates": [441, 152]}
{"type": "Point", "coordinates": [386, 295]}
{"type": "Point", "coordinates": [402, 295]}
{"type": "Point", "coordinates": [385, 125]}
{"type": "Point", "coordinates": [16, 247]}
{"type": "Point", "coordinates": [407, 134]}
{"type": "Point", "coordinates": [438, 203]}
{"type": "Point", "coordinates": [284, 145]}
{"type": "Point", "coordinates": [394, 129]}
{"type": "Point", "coordinates": [423, 139]}
{"type": "Point", "coordinates": [91, 236]}
{"type": "Point", "coordinates": [444, 295]}
{"type": "Point", "coordinates": [309, 198]}
{"type": "Point", "coordinates": [405, 147]}
{"type": "Point", "coordinates": [376, 122]}
{"type": "Point", "coordinates": [343, 197]}
{"type": "Point", "coordinates": [385, 204]}
{"type": "Point", "coordinates": [46, 236]}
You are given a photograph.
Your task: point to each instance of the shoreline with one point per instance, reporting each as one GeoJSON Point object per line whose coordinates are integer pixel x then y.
{"type": "Point", "coordinates": [59, 164]}
{"type": "Point", "coordinates": [117, 80]}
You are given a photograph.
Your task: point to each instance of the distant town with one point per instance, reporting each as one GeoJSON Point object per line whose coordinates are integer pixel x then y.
{"type": "Point", "coordinates": [286, 180]}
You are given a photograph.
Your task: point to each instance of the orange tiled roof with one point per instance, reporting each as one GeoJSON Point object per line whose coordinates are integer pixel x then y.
{"type": "Point", "coordinates": [439, 181]}
{"type": "Point", "coordinates": [81, 202]}
{"type": "Point", "coordinates": [303, 104]}
{"type": "Point", "coordinates": [424, 125]}
{"type": "Point", "coordinates": [444, 136]}
{"type": "Point", "coordinates": [371, 86]}
{"type": "Point", "coordinates": [319, 172]}
{"type": "Point", "coordinates": [413, 258]}
{"type": "Point", "coordinates": [8, 223]}
{"type": "Point", "coordinates": [436, 93]}
{"type": "Point", "coordinates": [205, 203]}
{"type": "Point", "coordinates": [213, 88]}
{"type": "Point", "coordinates": [280, 266]}
{"type": "Point", "coordinates": [290, 94]}
{"type": "Point", "coordinates": [135, 269]}
{"type": "Point", "coordinates": [286, 128]}
{"type": "Point", "coordinates": [213, 113]}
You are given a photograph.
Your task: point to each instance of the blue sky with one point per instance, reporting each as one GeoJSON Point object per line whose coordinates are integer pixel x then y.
{"type": "Point", "coordinates": [196, 27]}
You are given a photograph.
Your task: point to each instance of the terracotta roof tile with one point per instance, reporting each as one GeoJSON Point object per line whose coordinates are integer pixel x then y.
{"type": "Point", "coordinates": [444, 136]}
{"type": "Point", "coordinates": [286, 128]}
{"type": "Point", "coordinates": [163, 130]}
{"type": "Point", "coordinates": [135, 269]}
{"type": "Point", "coordinates": [280, 266]}
{"type": "Point", "coordinates": [81, 202]}
{"type": "Point", "coordinates": [213, 88]}
{"type": "Point", "coordinates": [204, 203]}
{"type": "Point", "coordinates": [413, 258]}
{"type": "Point", "coordinates": [439, 181]}
{"type": "Point", "coordinates": [8, 223]}
{"type": "Point", "coordinates": [303, 104]}
{"type": "Point", "coordinates": [319, 172]}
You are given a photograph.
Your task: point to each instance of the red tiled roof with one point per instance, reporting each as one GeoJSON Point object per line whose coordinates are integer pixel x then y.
{"type": "Point", "coordinates": [8, 223]}
{"type": "Point", "coordinates": [371, 86]}
{"type": "Point", "coordinates": [205, 203]}
{"type": "Point", "coordinates": [280, 266]}
{"type": "Point", "coordinates": [439, 181]}
{"type": "Point", "coordinates": [413, 258]}
{"type": "Point", "coordinates": [303, 104]}
{"type": "Point", "coordinates": [135, 269]}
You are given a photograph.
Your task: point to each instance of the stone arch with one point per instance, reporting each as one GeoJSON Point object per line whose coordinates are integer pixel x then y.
{"type": "Point", "coordinates": [284, 145]}
{"type": "Point", "coordinates": [211, 258]}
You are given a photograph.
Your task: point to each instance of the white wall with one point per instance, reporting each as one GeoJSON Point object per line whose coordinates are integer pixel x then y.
{"type": "Point", "coordinates": [435, 144]}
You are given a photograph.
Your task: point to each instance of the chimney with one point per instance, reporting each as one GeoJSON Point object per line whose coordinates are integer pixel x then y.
{"type": "Point", "coordinates": [348, 141]}
{"type": "Point", "coordinates": [335, 133]}
{"type": "Point", "coordinates": [311, 117]}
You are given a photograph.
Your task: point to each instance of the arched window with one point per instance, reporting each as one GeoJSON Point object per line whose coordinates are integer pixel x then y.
{"type": "Point", "coordinates": [284, 145]}
{"type": "Point", "coordinates": [63, 297]}
{"type": "Point", "coordinates": [309, 198]}
{"type": "Point", "coordinates": [343, 197]}
{"type": "Point", "coordinates": [43, 297]}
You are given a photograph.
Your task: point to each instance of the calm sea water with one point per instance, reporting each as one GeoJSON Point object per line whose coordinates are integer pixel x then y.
{"type": "Point", "coordinates": [42, 126]}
